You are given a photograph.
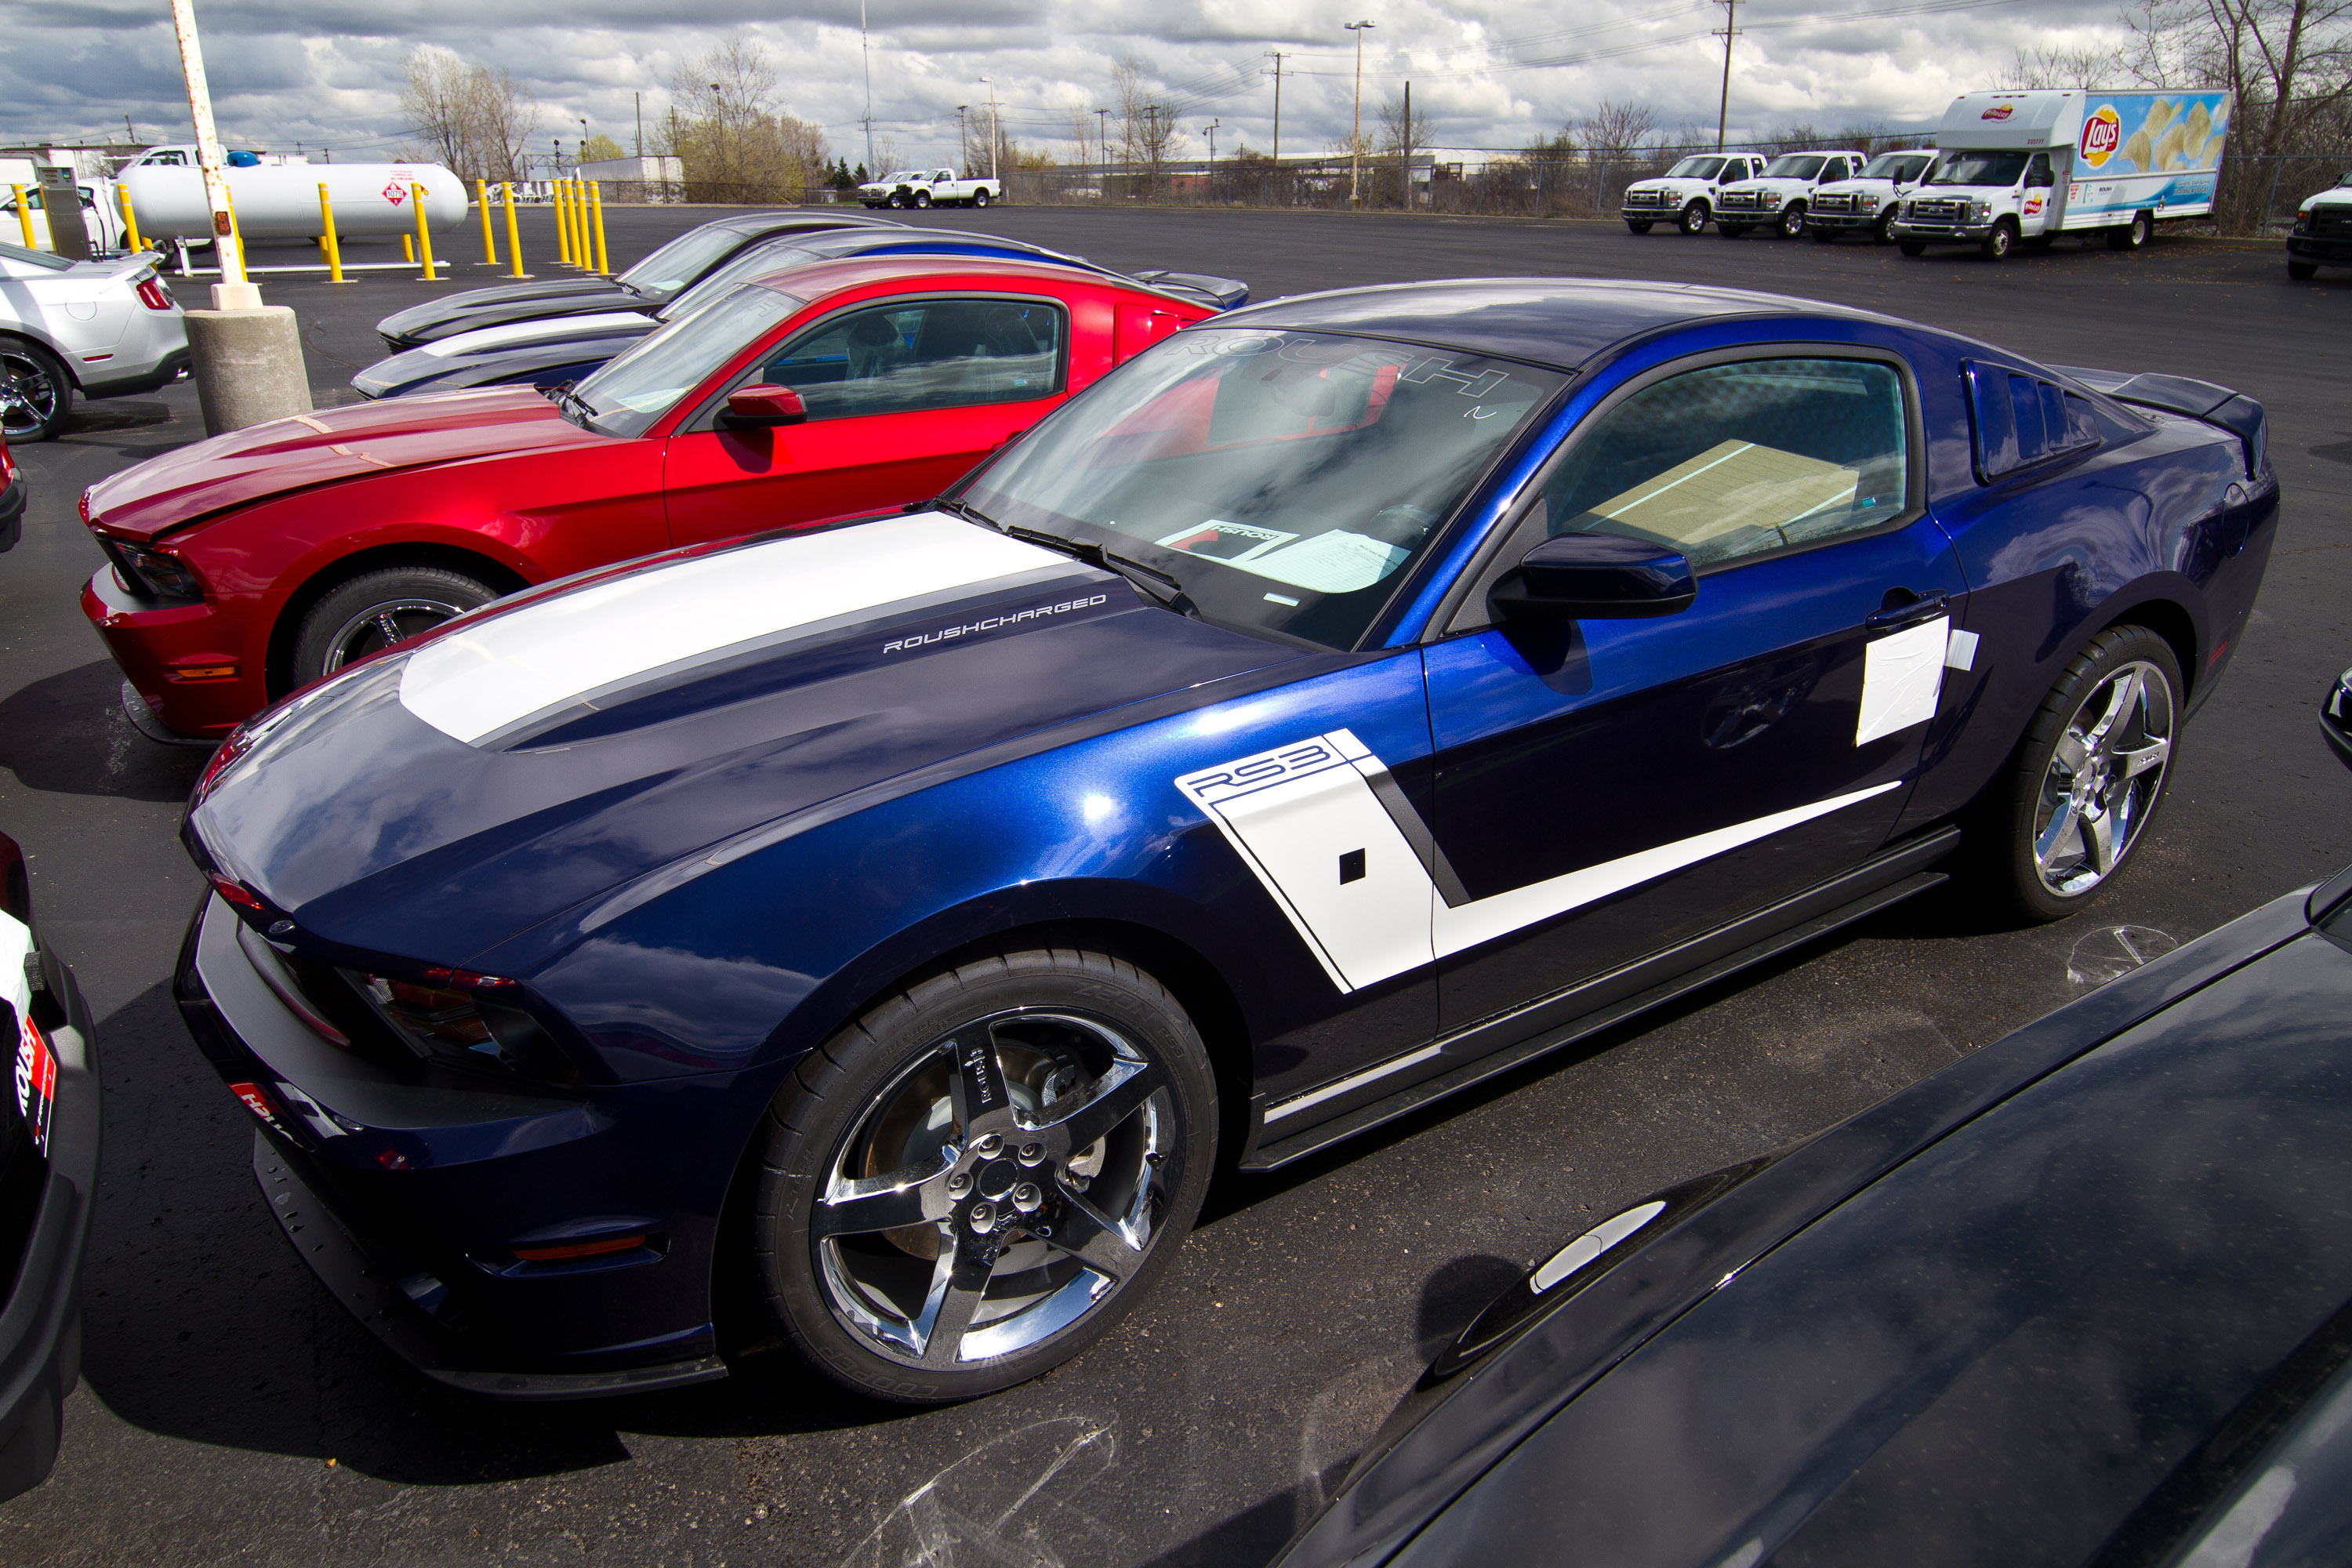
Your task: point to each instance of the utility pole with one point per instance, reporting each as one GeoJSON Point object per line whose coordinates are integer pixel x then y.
{"type": "Point", "coordinates": [1212, 129]}
{"type": "Point", "coordinates": [1356, 142]}
{"type": "Point", "coordinates": [1723, 107]}
{"type": "Point", "coordinates": [1404, 148]}
{"type": "Point", "coordinates": [865, 48]}
{"type": "Point", "coordinates": [233, 291]}
{"type": "Point", "coordinates": [1102, 116]}
{"type": "Point", "coordinates": [995, 131]}
{"type": "Point", "coordinates": [963, 140]}
{"type": "Point", "coordinates": [641, 125]}
{"type": "Point", "coordinates": [1277, 103]}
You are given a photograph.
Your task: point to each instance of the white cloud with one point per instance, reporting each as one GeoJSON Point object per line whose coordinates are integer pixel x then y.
{"type": "Point", "coordinates": [328, 72]}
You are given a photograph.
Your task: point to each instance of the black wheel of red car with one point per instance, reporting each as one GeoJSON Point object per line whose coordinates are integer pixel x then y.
{"type": "Point", "coordinates": [1638, 224]}
{"type": "Point", "coordinates": [972, 1183]}
{"type": "Point", "coordinates": [2085, 783]}
{"type": "Point", "coordinates": [378, 610]}
{"type": "Point", "coordinates": [2301, 271]}
{"type": "Point", "coordinates": [1793, 220]}
{"type": "Point", "coordinates": [36, 392]}
{"type": "Point", "coordinates": [1694, 217]}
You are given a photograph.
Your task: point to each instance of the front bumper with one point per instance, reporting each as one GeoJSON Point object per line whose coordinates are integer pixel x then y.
{"type": "Point", "coordinates": [1942, 233]}
{"type": "Point", "coordinates": [40, 1324]}
{"type": "Point", "coordinates": [2325, 251]}
{"type": "Point", "coordinates": [1651, 215]}
{"type": "Point", "coordinates": [156, 643]}
{"type": "Point", "coordinates": [404, 1192]}
{"type": "Point", "coordinates": [1855, 222]}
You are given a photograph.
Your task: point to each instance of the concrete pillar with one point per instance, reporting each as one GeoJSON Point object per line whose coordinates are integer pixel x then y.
{"type": "Point", "coordinates": [249, 366]}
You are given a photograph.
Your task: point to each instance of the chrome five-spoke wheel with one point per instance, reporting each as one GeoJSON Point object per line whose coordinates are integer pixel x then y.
{"type": "Point", "coordinates": [2104, 778]}
{"type": "Point", "coordinates": [970, 1183]}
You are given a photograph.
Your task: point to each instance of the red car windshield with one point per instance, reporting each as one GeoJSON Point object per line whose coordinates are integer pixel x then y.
{"type": "Point", "coordinates": [637, 388]}
{"type": "Point", "coordinates": [1287, 480]}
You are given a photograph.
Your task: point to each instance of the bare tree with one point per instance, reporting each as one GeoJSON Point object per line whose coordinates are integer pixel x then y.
{"type": "Point", "coordinates": [1148, 136]}
{"type": "Point", "coordinates": [474, 121]}
{"type": "Point", "coordinates": [2080, 68]}
{"type": "Point", "coordinates": [733, 147]}
{"type": "Point", "coordinates": [1399, 139]}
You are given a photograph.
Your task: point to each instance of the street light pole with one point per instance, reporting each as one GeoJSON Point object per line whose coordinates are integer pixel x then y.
{"type": "Point", "coordinates": [1356, 142]}
{"type": "Point", "coordinates": [995, 132]}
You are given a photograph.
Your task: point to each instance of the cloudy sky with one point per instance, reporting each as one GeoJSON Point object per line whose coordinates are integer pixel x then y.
{"type": "Point", "coordinates": [1486, 73]}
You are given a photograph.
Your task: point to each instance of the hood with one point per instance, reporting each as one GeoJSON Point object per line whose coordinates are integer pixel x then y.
{"type": "Point", "coordinates": [1872, 185]}
{"type": "Point", "coordinates": [449, 305]}
{"type": "Point", "coordinates": [321, 447]}
{"type": "Point", "coordinates": [445, 318]}
{"type": "Point", "coordinates": [540, 354]}
{"type": "Point", "coordinates": [432, 801]}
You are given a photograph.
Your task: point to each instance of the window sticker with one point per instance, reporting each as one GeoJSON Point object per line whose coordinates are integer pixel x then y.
{"type": "Point", "coordinates": [1334, 562]}
{"type": "Point", "coordinates": [1223, 540]}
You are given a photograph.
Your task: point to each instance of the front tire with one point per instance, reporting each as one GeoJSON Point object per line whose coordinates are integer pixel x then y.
{"type": "Point", "coordinates": [975, 1180]}
{"type": "Point", "coordinates": [2303, 271]}
{"type": "Point", "coordinates": [374, 611]}
{"type": "Point", "coordinates": [1915, 248]}
{"type": "Point", "coordinates": [1793, 220]}
{"type": "Point", "coordinates": [1885, 229]}
{"type": "Point", "coordinates": [1729, 230]}
{"type": "Point", "coordinates": [36, 391]}
{"type": "Point", "coordinates": [898, 200]}
{"type": "Point", "coordinates": [1694, 217]}
{"type": "Point", "coordinates": [2086, 782]}
{"type": "Point", "coordinates": [1638, 224]}
{"type": "Point", "coordinates": [1999, 242]}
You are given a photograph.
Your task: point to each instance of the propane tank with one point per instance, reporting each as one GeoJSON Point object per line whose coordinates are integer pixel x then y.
{"type": "Point", "coordinates": [281, 201]}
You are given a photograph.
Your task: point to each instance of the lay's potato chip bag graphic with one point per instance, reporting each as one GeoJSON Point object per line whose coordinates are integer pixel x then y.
{"type": "Point", "coordinates": [2130, 134]}
{"type": "Point", "coordinates": [2102, 132]}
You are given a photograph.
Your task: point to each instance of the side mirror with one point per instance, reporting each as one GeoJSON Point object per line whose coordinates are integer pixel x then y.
{"type": "Point", "coordinates": [762, 407]}
{"type": "Point", "coordinates": [1595, 576]}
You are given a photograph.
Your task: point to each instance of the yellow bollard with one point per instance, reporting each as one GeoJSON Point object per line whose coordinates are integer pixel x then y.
{"type": "Point", "coordinates": [565, 250]}
{"type": "Point", "coordinates": [130, 221]}
{"type": "Point", "coordinates": [514, 236]}
{"type": "Point", "coordinates": [25, 216]}
{"type": "Point", "coordinates": [236, 233]}
{"type": "Point", "coordinates": [327, 241]}
{"type": "Point", "coordinates": [572, 223]}
{"type": "Point", "coordinates": [408, 250]}
{"type": "Point", "coordinates": [596, 207]}
{"type": "Point", "coordinates": [490, 247]}
{"type": "Point", "coordinates": [423, 235]}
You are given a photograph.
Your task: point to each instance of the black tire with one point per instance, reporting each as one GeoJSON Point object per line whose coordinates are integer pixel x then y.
{"type": "Point", "coordinates": [1915, 248]}
{"type": "Point", "coordinates": [1884, 232]}
{"type": "Point", "coordinates": [2303, 271]}
{"type": "Point", "coordinates": [357, 618]}
{"type": "Point", "coordinates": [2134, 235]}
{"type": "Point", "coordinates": [1692, 218]}
{"type": "Point", "coordinates": [36, 391]}
{"type": "Point", "coordinates": [898, 200]}
{"type": "Point", "coordinates": [1996, 245]}
{"type": "Point", "coordinates": [922, 198]}
{"type": "Point", "coordinates": [1638, 224]}
{"type": "Point", "coordinates": [1729, 230]}
{"type": "Point", "coordinates": [1998, 849]}
{"type": "Point", "coordinates": [1792, 221]}
{"type": "Point", "coordinates": [980, 198]}
{"type": "Point", "coordinates": [890, 1086]}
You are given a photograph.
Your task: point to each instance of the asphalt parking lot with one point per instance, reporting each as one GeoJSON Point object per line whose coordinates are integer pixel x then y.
{"type": "Point", "coordinates": [231, 1412]}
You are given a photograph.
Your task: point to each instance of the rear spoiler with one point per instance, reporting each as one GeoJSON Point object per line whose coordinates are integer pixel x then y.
{"type": "Point", "coordinates": [1222, 293]}
{"type": "Point", "coordinates": [2185, 395]}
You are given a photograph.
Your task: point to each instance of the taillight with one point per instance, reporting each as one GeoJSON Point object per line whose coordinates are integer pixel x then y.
{"type": "Point", "coordinates": [85, 498]}
{"type": "Point", "coordinates": [236, 892]}
{"type": "Point", "coordinates": [154, 295]}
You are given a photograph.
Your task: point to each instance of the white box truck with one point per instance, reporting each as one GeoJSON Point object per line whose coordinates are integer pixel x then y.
{"type": "Point", "coordinates": [2019, 166]}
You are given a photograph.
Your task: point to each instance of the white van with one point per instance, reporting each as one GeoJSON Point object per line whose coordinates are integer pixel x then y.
{"type": "Point", "coordinates": [1685, 195]}
{"type": "Point", "coordinates": [1868, 203]}
{"type": "Point", "coordinates": [2018, 167]}
{"type": "Point", "coordinates": [1780, 195]}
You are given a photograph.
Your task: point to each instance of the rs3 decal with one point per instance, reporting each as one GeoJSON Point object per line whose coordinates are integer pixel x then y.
{"type": "Point", "coordinates": [1354, 867]}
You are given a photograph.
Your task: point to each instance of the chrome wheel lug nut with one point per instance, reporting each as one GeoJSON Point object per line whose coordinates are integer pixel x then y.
{"type": "Point", "coordinates": [959, 1183]}
{"type": "Point", "coordinates": [983, 1216]}
{"type": "Point", "coordinates": [1032, 1153]}
{"type": "Point", "coordinates": [988, 1143]}
{"type": "Point", "coordinates": [1027, 1198]}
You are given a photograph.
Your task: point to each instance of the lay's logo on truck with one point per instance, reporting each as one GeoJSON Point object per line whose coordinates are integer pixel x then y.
{"type": "Point", "coordinates": [2102, 132]}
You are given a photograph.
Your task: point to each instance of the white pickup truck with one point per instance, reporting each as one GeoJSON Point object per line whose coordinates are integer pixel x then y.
{"type": "Point", "coordinates": [1869, 203]}
{"type": "Point", "coordinates": [1779, 197]}
{"type": "Point", "coordinates": [1684, 195]}
{"type": "Point", "coordinates": [929, 188]}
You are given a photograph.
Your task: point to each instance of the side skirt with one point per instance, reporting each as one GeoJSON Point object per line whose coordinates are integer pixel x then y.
{"type": "Point", "coordinates": [1302, 1124]}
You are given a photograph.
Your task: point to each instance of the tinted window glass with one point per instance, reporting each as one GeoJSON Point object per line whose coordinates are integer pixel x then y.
{"type": "Point", "coordinates": [904, 357]}
{"type": "Point", "coordinates": [1697, 169]}
{"type": "Point", "coordinates": [1736, 460]}
{"type": "Point", "coordinates": [1794, 166]}
{"type": "Point", "coordinates": [2023, 419]}
{"type": "Point", "coordinates": [639, 387]}
{"type": "Point", "coordinates": [680, 262]}
{"type": "Point", "coordinates": [1978, 169]}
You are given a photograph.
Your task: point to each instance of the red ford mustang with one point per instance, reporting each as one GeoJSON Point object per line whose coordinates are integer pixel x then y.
{"type": "Point", "coordinates": [246, 565]}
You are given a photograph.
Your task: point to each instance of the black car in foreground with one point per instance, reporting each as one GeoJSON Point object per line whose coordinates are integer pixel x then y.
{"type": "Point", "coordinates": [2083, 1298]}
{"type": "Point", "coordinates": [49, 1179]}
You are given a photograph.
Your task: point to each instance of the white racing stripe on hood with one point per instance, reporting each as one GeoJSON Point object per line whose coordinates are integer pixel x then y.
{"type": "Point", "coordinates": [473, 683]}
{"type": "Point", "coordinates": [546, 327]}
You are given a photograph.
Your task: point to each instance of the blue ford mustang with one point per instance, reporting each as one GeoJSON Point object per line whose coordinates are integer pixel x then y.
{"type": "Point", "coordinates": [1338, 704]}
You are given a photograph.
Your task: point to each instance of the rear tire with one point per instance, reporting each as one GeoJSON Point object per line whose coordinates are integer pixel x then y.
{"type": "Point", "coordinates": [980, 198]}
{"type": "Point", "coordinates": [1638, 224]}
{"type": "Point", "coordinates": [378, 609]}
{"type": "Point", "coordinates": [1694, 217]}
{"type": "Point", "coordinates": [959, 1282]}
{"type": "Point", "coordinates": [36, 391]}
{"type": "Point", "coordinates": [2084, 783]}
{"type": "Point", "coordinates": [2303, 271]}
{"type": "Point", "coordinates": [2132, 234]}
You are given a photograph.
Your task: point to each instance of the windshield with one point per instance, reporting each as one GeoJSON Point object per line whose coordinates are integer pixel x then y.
{"type": "Point", "coordinates": [1794, 166]}
{"type": "Point", "coordinates": [1978, 169]}
{"type": "Point", "coordinates": [639, 387]}
{"type": "Point", "coordinates": [1695, 169]}
{"type": "Point", "coordinates": [755, 262]}
{"type": "Point", "coordinates": [1287, 480]}
{"type": "Point", "coordinates": [1900, 167]}
{"type": "Point", "coordinates": [681, 261]}
{"type": "Point", "coordinates": [904, 175]}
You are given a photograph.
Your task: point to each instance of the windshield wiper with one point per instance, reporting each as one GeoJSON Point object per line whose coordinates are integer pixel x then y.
{"type": "Point", "coordinates": [1160, 587]}
{"type": "Point", "coordinates": [571, 403]}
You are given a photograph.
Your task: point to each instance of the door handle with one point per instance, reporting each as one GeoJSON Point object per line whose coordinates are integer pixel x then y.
{"type": "Point", "coordinates": [1925, 608]}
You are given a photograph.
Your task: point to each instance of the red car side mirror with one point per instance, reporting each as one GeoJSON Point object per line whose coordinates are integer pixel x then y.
{"type": "Point", "coordinates": [763, 407]}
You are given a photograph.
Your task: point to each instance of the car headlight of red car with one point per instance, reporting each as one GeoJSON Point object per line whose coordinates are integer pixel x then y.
{"type": "Point", "coordinates": [158, 574]}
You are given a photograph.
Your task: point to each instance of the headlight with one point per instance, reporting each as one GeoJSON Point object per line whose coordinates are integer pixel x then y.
{"type": "Point", "coordinates": [1866, 204]}
{"type": "Point", "coordinates": [450, 1014]}
{"type": "Point", "coordinates": [164, 576]}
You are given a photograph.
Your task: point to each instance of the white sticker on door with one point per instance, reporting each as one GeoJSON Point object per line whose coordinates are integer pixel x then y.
{"type": "Point", "coordinates": [1901, 677]}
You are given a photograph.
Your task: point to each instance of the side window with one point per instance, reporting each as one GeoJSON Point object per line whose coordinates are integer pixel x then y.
{"type": "Point", "coordinates": [906, 357]}
{"type": "Point", "coordinates": [1735, 460]}
{"type": "Point", "coordinates": [2037, 172]}
{"type": "Point", "coordinates": [2020, 420]}
{"type": "Point", "coordinates": [1833, 169]}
